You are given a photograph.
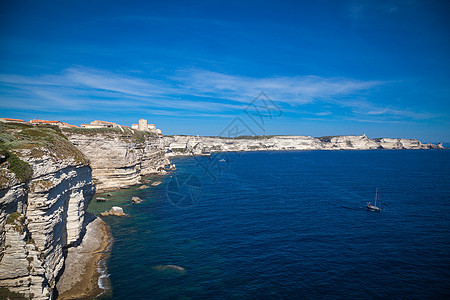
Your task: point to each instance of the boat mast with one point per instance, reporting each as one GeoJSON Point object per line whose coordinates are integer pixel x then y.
{"type": "Point", "coordinates": [379, 202]}
{"type": "Point", "coordinates": [376, 196]}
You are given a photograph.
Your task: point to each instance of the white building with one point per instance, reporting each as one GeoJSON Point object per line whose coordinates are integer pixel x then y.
{"type": "Point", "coordinates": [100, 124]}
{"type": "Point", "coordinates": [143, 126]}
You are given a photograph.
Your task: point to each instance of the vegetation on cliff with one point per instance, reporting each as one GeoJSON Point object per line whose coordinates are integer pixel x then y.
{"type": "Point", "coordinates": [20, 168]}
{"type": "Point", "coordinates": [124, 133]}
{"type": "Point", "coordinates": [7, 294]}
{"type": "Point", "coordinates": [22, 142]}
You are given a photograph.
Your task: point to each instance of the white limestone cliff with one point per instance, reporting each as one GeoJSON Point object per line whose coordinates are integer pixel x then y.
{"type": "Point", "coordinates": [188, 145]}
{"type": "Point", "coordinates": [119, 159]}
{"type": "Point", "coordinates": [42, 215]}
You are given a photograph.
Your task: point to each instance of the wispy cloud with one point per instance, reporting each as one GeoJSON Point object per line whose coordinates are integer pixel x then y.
{"type": "Point", "coordinates": [361, 9]}
{"type": "Point", "coordinates": [292, 90]}
{"type": "Point", "coordinates": [395, 113]}
{"type": "Point", "coordinates": [193, 92]}
{"type": "Point", "coordinates": [108, 81]}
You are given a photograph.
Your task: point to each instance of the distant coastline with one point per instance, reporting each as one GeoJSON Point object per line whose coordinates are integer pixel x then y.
{"type": "Point", "coordinates": [178, 145]}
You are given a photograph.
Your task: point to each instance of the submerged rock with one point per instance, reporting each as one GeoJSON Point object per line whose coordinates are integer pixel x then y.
{"type": "Point", "coordinates": [143, 187]}
{"type": "Point", "coordinates": [114, 211]}
{"type": "Point", "coordinates": [156, 183]}
{"type": "Point", "coordinates": [170, 268]}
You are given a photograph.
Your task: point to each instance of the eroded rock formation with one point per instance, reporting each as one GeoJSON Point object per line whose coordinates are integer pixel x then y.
{"type": "Point", "coordinates": [46, 185]}
{"type": "Point", "coordinates": [119, 159]}
{"type": "Point", "coordinates": [188, 145]}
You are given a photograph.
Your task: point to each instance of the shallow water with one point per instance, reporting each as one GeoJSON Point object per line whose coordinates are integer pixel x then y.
{"type": "Point", "coordinates": [285, 225]}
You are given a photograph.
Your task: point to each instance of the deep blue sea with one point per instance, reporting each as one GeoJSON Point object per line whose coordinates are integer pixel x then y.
{"type": "Point", "coordinates": [287, 225]}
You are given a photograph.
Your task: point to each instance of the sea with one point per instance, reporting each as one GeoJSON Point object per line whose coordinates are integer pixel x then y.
{"type": "Point", "coordinates": [286, 225]}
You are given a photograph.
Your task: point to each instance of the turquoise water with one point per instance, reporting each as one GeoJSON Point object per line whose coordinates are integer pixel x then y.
{"type": "Point", "coordinates": [282, 225]}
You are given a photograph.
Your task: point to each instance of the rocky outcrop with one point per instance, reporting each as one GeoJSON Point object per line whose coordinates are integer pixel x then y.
{"type": "Point", "coordinates": [41, 212]}
{"type": "Point", "coordinates": [119, 159]}
{"type": "Point", "coordinates": [136, 200]}
{"type": "Point", "coordinates": [188, 145]}
{"type": "Point", "coordinates": [114, 211]}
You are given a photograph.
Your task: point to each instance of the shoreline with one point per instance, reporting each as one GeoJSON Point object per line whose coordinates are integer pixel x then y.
{"type": "Point", "coordinates": [85, 270]}
{"type": "Point", "coordinates": [184, 154]}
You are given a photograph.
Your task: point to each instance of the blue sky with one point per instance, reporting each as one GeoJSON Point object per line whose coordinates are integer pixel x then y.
{"type": "Point", "coordinates": [191, 67]}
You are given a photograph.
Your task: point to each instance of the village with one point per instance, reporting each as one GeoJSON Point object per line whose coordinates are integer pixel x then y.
{"type": "Point", "coordinates": [141, 126]}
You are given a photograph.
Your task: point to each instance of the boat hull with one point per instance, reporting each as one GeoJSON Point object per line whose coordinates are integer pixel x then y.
{"type": "Point", "coordinates": [373, 208]}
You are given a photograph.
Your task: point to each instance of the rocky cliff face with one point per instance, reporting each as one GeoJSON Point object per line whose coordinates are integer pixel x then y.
{"type": "Point", "coordinates": [45, 187]}
{"type": "Point", "coordinates": [186, 145]}
{"type": "Point", "coordinates": [120, 157]}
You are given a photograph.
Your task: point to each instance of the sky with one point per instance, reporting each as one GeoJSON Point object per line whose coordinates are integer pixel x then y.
{"type": "Point", "coordinates": [317, 68]}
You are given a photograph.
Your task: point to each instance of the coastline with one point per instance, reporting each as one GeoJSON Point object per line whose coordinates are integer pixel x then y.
{"type": "Point", "coordinates": [187, 154]}
{"type": "Point", "coordinates": [85, 270]}
{"type": "Point", "coordinates": [196, 145]}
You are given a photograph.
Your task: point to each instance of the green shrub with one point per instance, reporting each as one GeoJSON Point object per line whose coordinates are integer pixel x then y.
{"type": "Point", "coordinates": [7, 294]}
{"type": "Point", "coordinates": [12, 217]}
{"type": "Point", "coordinates": [39, 140]}
{"type": "Point", "coordinates": [22, 169]}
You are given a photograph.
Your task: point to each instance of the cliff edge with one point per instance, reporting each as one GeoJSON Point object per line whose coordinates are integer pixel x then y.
{"type": "Point", "coordinates": [198, 145]}
{"type": "Point", "coordinates": [119, 156]}
{"type": "Point", "coordinates": [45, 187]}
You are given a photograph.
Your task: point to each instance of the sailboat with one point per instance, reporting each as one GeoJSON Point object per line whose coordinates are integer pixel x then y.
{"type": "Point", "coordinates": [374, 207]}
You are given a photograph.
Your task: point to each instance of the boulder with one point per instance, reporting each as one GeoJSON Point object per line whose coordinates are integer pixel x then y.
{"type": "Point", "coordinates": [136, 200]}
{"type": "Point", "coordinates": [143, 187]}
{"type": "Point", "coordinates": [114, 211]}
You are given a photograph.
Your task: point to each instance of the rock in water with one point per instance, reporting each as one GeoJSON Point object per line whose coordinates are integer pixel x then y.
{"type": "Point", "coordinates": [136, 200]}
{"type": "Point", "coordinates": [156, 183]}
{"type": "Point", "coordinates": [114, 211]}
{"type": "Point", "coordinates": [143, 187]}
{"type": "Point", "coordinates": [100, 199]}
{"type": "Point", "coordinates": [170, 268]}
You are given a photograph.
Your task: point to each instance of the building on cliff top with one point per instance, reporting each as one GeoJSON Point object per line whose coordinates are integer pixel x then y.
{"type": "Point", "coordinates": [56, 123]}
{"type": "Point", "coordinates": [100, 124]}
{"type": "Point", "coordinates": [143, 126]}
{"type": "Point", "coordinates": [9, 120]}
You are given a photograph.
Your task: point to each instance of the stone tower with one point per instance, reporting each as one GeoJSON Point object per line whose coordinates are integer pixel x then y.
{"type": "Point", "coordinates": [142, 125]}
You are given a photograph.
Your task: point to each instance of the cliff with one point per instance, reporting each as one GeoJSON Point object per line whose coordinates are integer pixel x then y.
{"type": "Point", "coordinates": [45, 187]}
{"type": "Point", "coordinates": [186, 145]}
{"type": "Point", "coordinates": [119, 156]}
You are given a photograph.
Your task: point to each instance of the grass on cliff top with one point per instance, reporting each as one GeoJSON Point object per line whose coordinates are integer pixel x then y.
{"type": "Point", "coordinates": [134, 135]}
{"type": "Point", "coordinates": [39, 140]}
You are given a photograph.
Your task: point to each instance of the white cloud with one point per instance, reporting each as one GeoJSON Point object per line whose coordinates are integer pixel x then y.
{"type": "Point", "coordinates": [107, 81]}
{"type": "Point", "coordinates": [361, 9]}
{"type": "Point", "coordinates": [194, 92]}
{"type": "Point", "coordinates": [393, 113]}
{"type": "Point", "coordinates": [292, 90]}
